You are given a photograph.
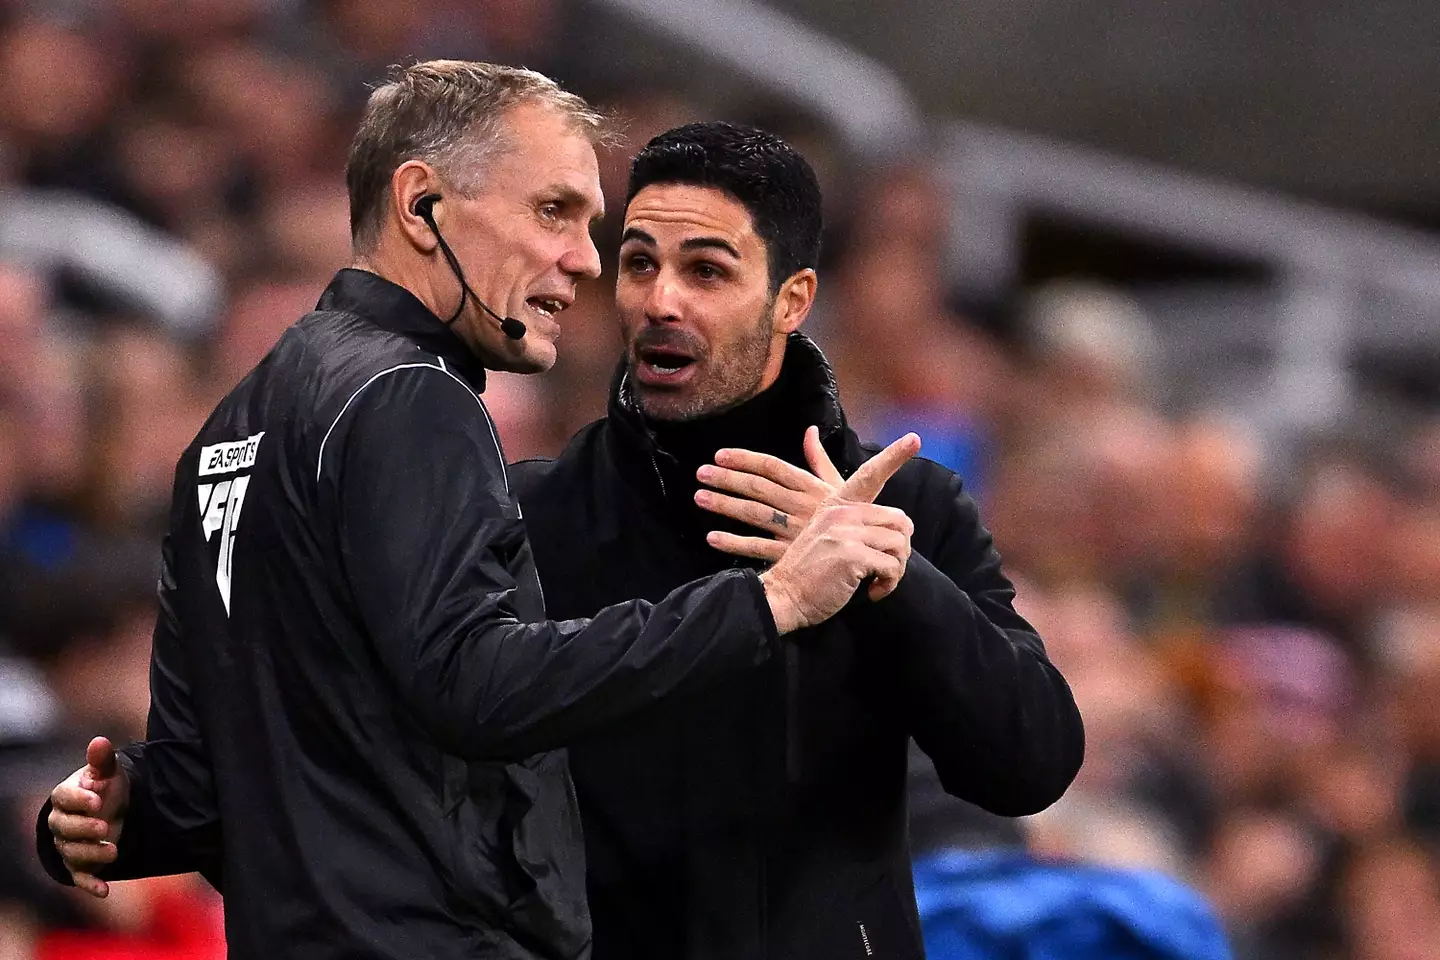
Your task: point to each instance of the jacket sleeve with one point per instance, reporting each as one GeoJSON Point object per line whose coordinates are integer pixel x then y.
{"type": "Point", "coordinates": [431, 545]}
{"type": "Point", "coordinates": [978, 693]}
{"type": "Point", "coordinates": [172, 824]}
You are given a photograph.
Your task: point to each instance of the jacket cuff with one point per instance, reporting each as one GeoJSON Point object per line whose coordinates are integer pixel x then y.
{"type": "Point", "coordinates": [133, 838]}
{"type": "Point", "coordinates": [769, 632]}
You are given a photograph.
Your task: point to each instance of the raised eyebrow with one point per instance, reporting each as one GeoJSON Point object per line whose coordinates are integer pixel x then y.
{"type": "Point", "coordinates": [710, 243]}
{"type": "Point", "coordinates": [638, 235]}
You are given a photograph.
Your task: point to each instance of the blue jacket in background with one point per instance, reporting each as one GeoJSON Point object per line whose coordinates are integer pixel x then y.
{"type": "Point", "coordinates": [1008, 906]}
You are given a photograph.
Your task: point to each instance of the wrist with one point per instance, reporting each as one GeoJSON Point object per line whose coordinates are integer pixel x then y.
{"type": "Point", "coordinates": [782, 607]}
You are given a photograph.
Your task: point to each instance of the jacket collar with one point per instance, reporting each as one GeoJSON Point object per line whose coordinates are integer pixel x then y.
{"type": "Point", "coordinates": [391, 307]}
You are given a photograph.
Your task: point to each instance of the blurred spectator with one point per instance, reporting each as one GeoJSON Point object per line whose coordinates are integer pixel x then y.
{"type": "Point", "coordinates": [907, 361]}
{"type": "Point", "coordinates": [1094, 344]}
{"type": "Point", "coordinates": [148, 391]}
{"type": "Point", "coordinates": [173, 24]}
{"type": "Point", "coordinates": [61, 86]}
{"type": "Point", "coordinates": [305, 233]}
{"type": "Point", "coordinates": [1261, 869]}
{"type": "Point", "coordinates": [272, 111]}
{"type": "Point", "coordinates": [259, 313]}
{"type": "Point", "coordinates": [1331, 563]}
{"type": "Point", "coordinates": [1391, 903]}
{"type": "Point", "coordinates": [179, 173]}
{"type": "Point", "coordinates": [24, 301]}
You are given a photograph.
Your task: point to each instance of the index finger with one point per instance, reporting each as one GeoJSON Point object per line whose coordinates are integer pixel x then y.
{"type": "Point", "coordinates": [867, 482]}
{"type": "Point", "coordinates": [91, 884]}
{"type": "Point", "coordinates": [771, 468]}
{"type": "Point", "coordinates": [75, 799]}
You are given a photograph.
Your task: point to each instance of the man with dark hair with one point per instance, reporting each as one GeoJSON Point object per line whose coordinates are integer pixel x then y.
{"type": "Point", "coordinates": [766, 815]}
{"type": "Point", "coordinates": [356, 699]}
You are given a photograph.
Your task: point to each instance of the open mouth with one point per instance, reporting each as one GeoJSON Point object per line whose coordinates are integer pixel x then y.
{"type": "Point", "coordinates": [663, 366]}
{"type": "Point", "coordinates": [547, 307]}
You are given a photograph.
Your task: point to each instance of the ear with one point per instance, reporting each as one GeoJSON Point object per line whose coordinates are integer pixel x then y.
{"type": "Point", "coordinates": [411, 181]}
{"type": "Point", "coordinates": [793, 302]}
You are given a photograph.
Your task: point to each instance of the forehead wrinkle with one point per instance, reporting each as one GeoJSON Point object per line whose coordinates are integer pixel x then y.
{"type": "Point", "coordinates": [707, 210]}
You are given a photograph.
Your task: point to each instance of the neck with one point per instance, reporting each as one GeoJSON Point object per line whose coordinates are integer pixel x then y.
{"type": "Point", "coordinates": [772, 421]}
{"type": "Point", "coordinates": [774, 364]}
{"type": "Point", "coordinates": [385, 260]}
{"type": "Point", "coordinates": [440, 296]}
{"type": "Point", "coordinates": [759, 423]}
{"type": "Point", "coordinates": [766, 422]}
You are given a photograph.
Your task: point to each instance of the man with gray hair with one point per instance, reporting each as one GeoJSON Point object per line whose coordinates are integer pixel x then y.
{"type": "Point", "coordinates": [356, 701]}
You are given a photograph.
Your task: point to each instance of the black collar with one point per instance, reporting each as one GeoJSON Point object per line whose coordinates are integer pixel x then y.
{"type": "Point", "coordinates": [391, 307]}
{"type": "Point", "coordinates": [666, 455]}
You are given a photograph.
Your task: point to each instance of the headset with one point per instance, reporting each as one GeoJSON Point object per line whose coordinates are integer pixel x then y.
{"type": "Point", "coordinates": [424, 208]}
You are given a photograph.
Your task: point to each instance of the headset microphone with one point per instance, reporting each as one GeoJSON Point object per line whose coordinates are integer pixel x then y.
{"type": "Point", "coordinates": [425, 210]}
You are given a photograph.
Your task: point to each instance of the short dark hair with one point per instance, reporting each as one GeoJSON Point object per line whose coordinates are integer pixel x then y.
{"type": "Point", "coordinates": [448, 113]}
{"type": "Point", "coordinates": [768, 176]}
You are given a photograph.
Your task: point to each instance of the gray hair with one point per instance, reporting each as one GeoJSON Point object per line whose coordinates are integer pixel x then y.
{"type": "Point", "coordinates": [450, 114]}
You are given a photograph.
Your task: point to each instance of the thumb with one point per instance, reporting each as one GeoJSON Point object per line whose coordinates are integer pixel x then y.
{"type": "Point", "coordinates": [100, 755]}
{"type": "Point", "coordinates": [866, 483]}
{"type": "Point", "coordinates": [819, 460]}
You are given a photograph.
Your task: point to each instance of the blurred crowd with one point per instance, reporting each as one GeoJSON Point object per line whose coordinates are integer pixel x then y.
{"type": "Point", "coordinates": [1253, 637]}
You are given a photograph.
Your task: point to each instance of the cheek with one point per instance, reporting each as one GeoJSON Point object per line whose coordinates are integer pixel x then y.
{"type": "Point", "coordinates": [739, 329]}
{"type": "Point", "coordinates": [629, 307]}
{"type": "Point", "coordinates": [534, 258]}
{"type": "Point", "coordinates": [547, 254]}
{"type": "Point", "coordinates": [628, 294]}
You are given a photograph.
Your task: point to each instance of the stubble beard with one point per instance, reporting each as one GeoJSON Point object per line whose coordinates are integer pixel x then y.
{"type": "Point", "coordinates": [731, 381]}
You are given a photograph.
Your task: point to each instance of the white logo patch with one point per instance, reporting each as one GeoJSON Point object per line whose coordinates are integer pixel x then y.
{"type": "Point", "coordinates": [229, 457]}
{"type": "Point", "coordinates": [221, 502]}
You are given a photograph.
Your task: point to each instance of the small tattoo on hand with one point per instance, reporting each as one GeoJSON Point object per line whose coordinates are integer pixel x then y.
{"type": "Point", "coordinates": [779, 519]}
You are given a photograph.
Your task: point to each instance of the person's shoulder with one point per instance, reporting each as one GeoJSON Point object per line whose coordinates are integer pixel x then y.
{"type": "Point", "coordinates": [527, 476]}
{"type": "Point", "coordinates": [538, 476]}
{"type": "Point", "coordinates": [344, 341]}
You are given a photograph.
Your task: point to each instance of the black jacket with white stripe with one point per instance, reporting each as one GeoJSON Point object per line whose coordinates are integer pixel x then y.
{"type": "Point", "coordinates": [353, 688]}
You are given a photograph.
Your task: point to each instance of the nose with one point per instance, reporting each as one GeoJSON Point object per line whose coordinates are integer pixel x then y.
{"type": "Point", "coordinates": [662, 299]}
{"type": "Point", "coordinates": [583, 259]}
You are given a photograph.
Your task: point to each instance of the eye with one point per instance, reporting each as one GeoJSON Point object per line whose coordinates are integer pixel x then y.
{"type": "Point", "coordinates": [708, 271]}
{"type": "Point", "coordinates": [638, 263]}
{"type": "Point", "coordinates": [550, 211]}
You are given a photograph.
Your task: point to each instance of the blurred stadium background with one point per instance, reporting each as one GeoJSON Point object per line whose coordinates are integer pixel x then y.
{"type": "Point", "coordinates": [1162, 281]}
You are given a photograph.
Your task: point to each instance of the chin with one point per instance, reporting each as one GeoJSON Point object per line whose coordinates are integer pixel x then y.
{"type": "Point", "coordinates": [535, 356]}
{"type": "Point", "coordinates": [669, 407]}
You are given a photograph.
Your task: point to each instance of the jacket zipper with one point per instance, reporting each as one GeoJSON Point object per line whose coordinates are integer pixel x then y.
{"type": "Point", "coordinates": [658, 475]}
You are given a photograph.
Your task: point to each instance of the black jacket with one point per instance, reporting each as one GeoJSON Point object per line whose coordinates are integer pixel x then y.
{"type": "Point", "coordinates": [766, 816]}
{"type": "Point", "coordinates": [353, 685]}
